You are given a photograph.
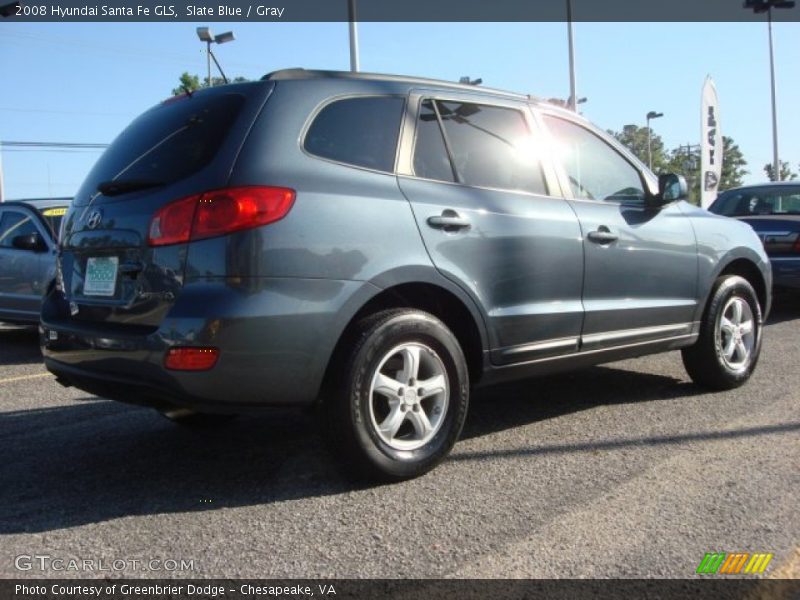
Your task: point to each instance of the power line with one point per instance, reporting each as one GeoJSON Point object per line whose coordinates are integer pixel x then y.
{"type": "Point", "coordinates": [15, 144]}
{"type": "Point", "coordinates": [55, 150]}
{"type": "Point", "coordinates": [63, 112]}
{"type": "Point", "coordinates": [129, 51]}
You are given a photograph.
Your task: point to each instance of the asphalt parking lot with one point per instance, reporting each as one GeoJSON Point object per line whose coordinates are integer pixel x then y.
{"type": "Point", "coordinates": [624, 470]}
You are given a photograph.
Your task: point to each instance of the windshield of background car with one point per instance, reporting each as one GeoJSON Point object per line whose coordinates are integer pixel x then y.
{"type": "Point", "coordinates": [169, 142]}
{"type": "Point", "coordinates": [755, 202]}
{"type": "Point", "coordinates": [53, 216]}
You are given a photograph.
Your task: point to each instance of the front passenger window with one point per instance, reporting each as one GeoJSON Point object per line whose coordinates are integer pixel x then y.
{"type": "Point", "coordinates": [596, 171]}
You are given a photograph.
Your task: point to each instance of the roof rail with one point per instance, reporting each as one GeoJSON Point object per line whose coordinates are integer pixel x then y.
{"type": "Point", "coordinates": [300, 73]}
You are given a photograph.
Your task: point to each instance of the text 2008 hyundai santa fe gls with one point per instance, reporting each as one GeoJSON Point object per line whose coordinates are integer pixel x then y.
{"type": "Point", "coordinates": [379, 245]}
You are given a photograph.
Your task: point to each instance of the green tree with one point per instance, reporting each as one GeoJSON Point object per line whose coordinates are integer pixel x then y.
{"type": "Point", "coordinates": [685, 160]}
{"type": "Point", "coordinates": [733, 165]}
{"type": "Point", "coordinates": [786, 172]}
{"type": "Point", "coordinates": [187, 84]}
{"type": "Point", "coordinates": [191, 83]}
{"type": "Point", "coordinates": [634, 138]}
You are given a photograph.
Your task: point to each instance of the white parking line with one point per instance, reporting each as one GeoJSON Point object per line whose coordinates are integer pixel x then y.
{"type": "Point", "coordinates": [24, 377]}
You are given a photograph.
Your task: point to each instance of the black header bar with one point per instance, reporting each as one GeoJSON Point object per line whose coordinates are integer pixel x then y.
{"type": "Point", "coordinates": [387, 10]}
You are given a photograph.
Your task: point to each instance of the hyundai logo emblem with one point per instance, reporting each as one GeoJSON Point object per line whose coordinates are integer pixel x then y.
{"type": "Point", "coordinates": [94, 219]}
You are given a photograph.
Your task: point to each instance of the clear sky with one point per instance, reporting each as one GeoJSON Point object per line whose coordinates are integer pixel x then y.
{"type": "Point", "coordinates": [84, 82]}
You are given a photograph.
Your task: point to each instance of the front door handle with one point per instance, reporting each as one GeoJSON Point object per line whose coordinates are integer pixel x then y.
{"type": "Point", "coordinates": [449, 220]}
{"type": "Point", "coordinates": [602, 236]}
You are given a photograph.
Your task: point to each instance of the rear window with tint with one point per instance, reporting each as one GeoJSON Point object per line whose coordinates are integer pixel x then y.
{"type": "Point", "coordinates": [171, 141]}
{"type": "Point", "coordinates": [358, 131]}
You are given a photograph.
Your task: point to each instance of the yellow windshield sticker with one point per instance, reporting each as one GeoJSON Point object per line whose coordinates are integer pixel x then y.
{"type": "Point", "coordinates": [55, 212]}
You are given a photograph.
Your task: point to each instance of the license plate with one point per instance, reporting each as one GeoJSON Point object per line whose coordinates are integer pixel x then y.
{"type": "Point", "coordinates": [101, 276]}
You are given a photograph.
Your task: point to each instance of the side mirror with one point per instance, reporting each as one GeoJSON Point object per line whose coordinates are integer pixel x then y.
{"type": "Point", "coordinates": [30, 241]}
{"type": "Point", "coordinates": [671, 187]}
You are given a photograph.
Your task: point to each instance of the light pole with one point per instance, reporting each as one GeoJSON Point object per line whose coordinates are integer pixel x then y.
{"type": "Point", "coordinates": [2, 197]}
{"type": "Point", "coordinates": [572, 93]}
{"type": "Point", "coordinates": [204, 33]}
{"type": "Point", "coordinates": [760, 6]}
{"type": "Point", "coordinates": [572, 102]}
{"type": "Point", "coordinates": [351, 10]}
{"type": "Point", "coordinates": [651, 115]}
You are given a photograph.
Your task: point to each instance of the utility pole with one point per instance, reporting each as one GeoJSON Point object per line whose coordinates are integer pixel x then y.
{"type": "Point", "coordinates": [651, 115]}
{"type": "Point", "coordinates": [208, 62]}
{"type": "Point", "coordinates": [573, 94]}
{"type": "Point", "coordinates": [351, 9]}
{"type": "Point", "coordinates": [776, 163]}
{"type": "Point", "coordinates": [2, 195]}
{"type": "Point", "coordinates": [760, 6]}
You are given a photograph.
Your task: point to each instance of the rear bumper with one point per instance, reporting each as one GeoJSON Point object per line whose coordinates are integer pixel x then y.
{"type": "Point", "coordinates": [785, 272]}
{"type": "Point", "coordinates": [274, 336]}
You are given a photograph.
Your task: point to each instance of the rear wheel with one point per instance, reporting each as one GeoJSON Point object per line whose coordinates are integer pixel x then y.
{"type": "Point", "coordinates": [396, 404]}
{"type": "Point", "coordinates": [727, 351]}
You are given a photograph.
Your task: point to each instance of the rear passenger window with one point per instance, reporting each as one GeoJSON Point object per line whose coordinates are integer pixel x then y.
{"type": "Point", "coordinates": [489, 146]}
{"type": "Point", "coordinates": [358, 131]}
{"type": "Point", "coordinates": [430, 154]}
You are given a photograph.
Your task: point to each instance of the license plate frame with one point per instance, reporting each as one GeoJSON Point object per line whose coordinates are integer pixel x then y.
{"type": "Point", "coordinates": [100, 277]}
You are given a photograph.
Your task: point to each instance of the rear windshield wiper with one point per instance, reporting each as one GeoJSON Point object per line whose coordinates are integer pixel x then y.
{"type": "Point", "coordinates": [115, 188]}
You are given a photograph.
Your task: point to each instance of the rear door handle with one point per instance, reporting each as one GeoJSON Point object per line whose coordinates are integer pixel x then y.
{"type": "Point", "coordinates": [448, 220]}
{"type": "Point", "coordinates": [602, 236]}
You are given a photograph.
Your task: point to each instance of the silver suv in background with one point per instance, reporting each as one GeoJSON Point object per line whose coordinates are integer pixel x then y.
{"type": "Point", "coordinates": [377, 246]}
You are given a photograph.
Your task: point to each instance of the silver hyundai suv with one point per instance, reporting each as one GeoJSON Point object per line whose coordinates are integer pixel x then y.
{"type": "Point", "coordinates": [376, 246]}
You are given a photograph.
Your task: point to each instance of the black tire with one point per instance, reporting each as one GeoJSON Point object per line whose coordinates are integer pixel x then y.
{"type": "Point", "coordinates": [350, 408]}
{"type": "Point", "coordinates": [195, 420]}
{"type": "Point", "coordinates": [705, 361]}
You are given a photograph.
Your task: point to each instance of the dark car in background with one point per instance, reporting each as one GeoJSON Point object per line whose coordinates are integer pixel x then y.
{"type": "Point", "coordinates": [773, 211]}
{"type": "Point", "coordinates": [28, 241]}
{"type": "Point", "coordinates": [376, 245]}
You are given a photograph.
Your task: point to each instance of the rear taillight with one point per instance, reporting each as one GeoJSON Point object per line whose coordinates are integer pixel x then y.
{"type": "Point", "coordinates": [172, 224]}
{"type": "Point", "coordinates": [218, 213]}
{"type": "Point", "coordinates": [191, 359]}
{"type": "Point", "coordinates": [796, 246]}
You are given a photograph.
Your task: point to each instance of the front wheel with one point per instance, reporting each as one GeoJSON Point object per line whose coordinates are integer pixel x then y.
{"type": "Point", "coordinates": [727, 350]}
{"type": "Point", "coordinates": [399, 400]}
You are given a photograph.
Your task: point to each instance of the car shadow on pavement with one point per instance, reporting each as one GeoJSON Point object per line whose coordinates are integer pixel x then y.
{"type": "Point", "coordinates": [504, 406]}
{"type": "Point", "coordinates": [19, 345]}
{"type": "Point", "coordinates": [785, 307]}
{"type": "Point", "coordinates": [96, 460]}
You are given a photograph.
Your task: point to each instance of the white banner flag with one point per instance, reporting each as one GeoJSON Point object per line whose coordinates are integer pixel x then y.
{"type": "Point", "coordinates": [710, 145]}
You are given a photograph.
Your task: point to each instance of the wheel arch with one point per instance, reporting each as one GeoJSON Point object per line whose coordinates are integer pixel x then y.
{"type": "Point", "coordinates": [450, 306]}
{"type": "Point", "coordinates": [747, 269]}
